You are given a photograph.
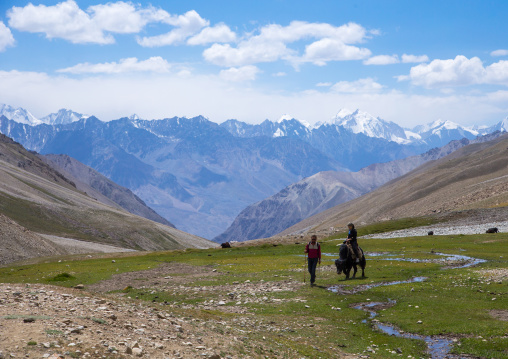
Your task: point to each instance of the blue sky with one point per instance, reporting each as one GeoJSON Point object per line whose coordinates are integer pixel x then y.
{"type": "Point", "coordinates": [410, 62]}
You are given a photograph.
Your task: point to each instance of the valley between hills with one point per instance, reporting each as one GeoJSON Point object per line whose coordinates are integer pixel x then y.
{"type": "Point", "coordinates": [132, 285]}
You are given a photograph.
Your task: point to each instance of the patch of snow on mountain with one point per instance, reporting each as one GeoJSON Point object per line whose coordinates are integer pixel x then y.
{"type": "Point", "coordinates": [278, 133]}
{"type": "Point", "coordinates": [410, 135]}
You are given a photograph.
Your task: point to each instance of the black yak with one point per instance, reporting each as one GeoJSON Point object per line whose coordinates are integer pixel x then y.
{"type": "Point", "coordinates": [346, 262]}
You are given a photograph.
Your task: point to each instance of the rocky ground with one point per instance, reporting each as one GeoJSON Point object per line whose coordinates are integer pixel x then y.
{"type": "Point", "coordinates": [42, 321]}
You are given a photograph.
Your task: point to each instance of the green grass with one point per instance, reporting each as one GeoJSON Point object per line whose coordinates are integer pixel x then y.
{"type": "Point", "coordinates": [451, 302]}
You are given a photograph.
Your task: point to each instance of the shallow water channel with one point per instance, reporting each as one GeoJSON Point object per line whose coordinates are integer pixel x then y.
{"type": "Point", "coordinates": [438, 347]}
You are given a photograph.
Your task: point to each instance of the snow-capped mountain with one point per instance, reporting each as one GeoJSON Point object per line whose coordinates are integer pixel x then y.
{"type": "Point", "coordinates": [437, 132]}
{"type": "Point", "coordinates": [62, 117]}
{"type": "Point", "coordinates": [501, 126]}
{"type": "Point", "coordinates": [362, 122]}
{"type": "Point", "coordinates": [19, 115]}
{"type": "Point", "coordinates": [286, 126]}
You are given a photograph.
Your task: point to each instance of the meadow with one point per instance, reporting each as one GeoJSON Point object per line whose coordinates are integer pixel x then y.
{"type": "Point", "coordinates": [263, 296]}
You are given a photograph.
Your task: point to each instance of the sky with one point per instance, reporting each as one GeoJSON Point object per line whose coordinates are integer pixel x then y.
{"type": "Point", "coordinates": [410, 62]}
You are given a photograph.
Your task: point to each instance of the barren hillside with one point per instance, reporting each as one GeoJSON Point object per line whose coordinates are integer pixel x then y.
{"type": "Point", "coordinates": [36, 199]}
{"type": "Point", "coordinates": [474, 177]}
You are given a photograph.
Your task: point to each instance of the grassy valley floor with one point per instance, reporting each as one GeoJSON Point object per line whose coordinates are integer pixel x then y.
{"type": "Point", "coordinates": [252, 302]}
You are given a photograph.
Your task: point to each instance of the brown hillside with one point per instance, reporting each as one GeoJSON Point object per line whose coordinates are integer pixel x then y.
{"type": "Point", "coordinates": [473, 177]}
{"type": "Point", "coordinates": [40, 200]}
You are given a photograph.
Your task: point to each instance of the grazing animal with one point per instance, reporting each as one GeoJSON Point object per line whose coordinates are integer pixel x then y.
{"type": "Point", "coordinates": [346, 262]}
{"type": "Point", "coordinates": [492, 230]}
{"type": "Point", "coordinates": [430, 233]}
{"type": "Point", "coordinates": [225, 245]}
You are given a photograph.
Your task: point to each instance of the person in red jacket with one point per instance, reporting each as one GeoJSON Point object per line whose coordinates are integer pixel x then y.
{"type": "Point", "coordinates": [313, 250]}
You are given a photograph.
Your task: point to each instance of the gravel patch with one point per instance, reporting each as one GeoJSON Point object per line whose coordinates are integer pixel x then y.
{"type": "Point", "coordinates": [75, 246]}
{"type": "Point", "coordinates": [442, 229]}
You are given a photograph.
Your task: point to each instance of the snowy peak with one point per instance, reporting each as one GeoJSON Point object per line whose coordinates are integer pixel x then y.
{"type": "Point", "coordinates": [289, 118]}
{"type": "Point", "coordinates": [19, 115]}
{"type": "Point", "coordinates": [62, 117]}
{"type": "Point", "coordinates": [440, 127]}
{"type": "Point", "coordinates": [362, 122]}
{"type": "Point", "coordinates": [501, 126]}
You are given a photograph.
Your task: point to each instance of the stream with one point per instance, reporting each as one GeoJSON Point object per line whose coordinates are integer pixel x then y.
{"type": "Point", "coordinates": [438, 347]}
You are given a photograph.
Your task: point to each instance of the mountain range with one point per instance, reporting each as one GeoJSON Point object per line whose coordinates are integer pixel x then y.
{"type": "Point", "coordinates": [200, 175]}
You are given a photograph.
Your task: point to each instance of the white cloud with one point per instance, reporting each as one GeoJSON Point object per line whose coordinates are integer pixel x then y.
{"type": "Point", "coordinates": [239, 74]}
{"type": "Point", "coordinates": [324, 50]}
{"type": "Point", "coordinates": [67, 21]}
{"type": "Point", "coordinates": [366, 85]}
{"type": "Point", "coordinates": [414, 58]}
{"type": "Point", "coordinates": [6, 38]}
{"type": "Point", "coordinates": [500, 52]}
{"type": "Point", "coordinates": [382, 60]}
{"type": "Point", "coordinates": [185, 25]}
{"type": "Point", "coordinates": [124, 18]}
{"type": "Point", "coordinates": [271, 44]}
{"type": "Point", "coordinates": [279, 74]}
{"type": "Point", "coordinates": [153, 64]}
{"type": "Point", "coordinates": [217, 33]}
{"type": "Point", "coordinates": [460, 71]}
{"type": "Point", "coordinates": [324, 84]}
{"type": "Point", "coordinates": [168, 94]}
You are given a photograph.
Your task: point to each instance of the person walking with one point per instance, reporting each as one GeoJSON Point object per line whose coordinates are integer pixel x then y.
{"type": "Point", "coordinates": [313, 251]}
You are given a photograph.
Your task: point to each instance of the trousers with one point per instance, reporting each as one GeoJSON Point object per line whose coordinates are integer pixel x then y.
{"type": "Point", "coordinates": [312, 263]}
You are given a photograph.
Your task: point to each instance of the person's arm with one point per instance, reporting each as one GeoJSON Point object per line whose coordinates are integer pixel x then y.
{"type": "Point", "coordinates": [319, 254]}
{"type": "Point", "coordinates": [306, 249]}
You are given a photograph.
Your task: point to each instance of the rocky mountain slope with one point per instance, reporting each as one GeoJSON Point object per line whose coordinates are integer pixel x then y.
{"type": "Point", "coordinates": [85, 178]}
{"type": "Point", "coordinates": [319, 192]}
{"type": "Point", "coordinates": [37, 200]}
{"type": "Point", "coordinates": [471, 178]}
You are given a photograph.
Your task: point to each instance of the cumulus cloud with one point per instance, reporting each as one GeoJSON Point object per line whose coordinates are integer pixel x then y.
{"type": "Point", "coordinates": [414, 58]}
{"type": "Point", "coordinates": [382, 60]}
{"type": "Point", "coordinates": [500, 52]}
{"type": "Point", "coordinates": [185, 25]}
{"type": "Point", "coordinates": [6, 38]}
{"type": "Point", "coordinates": [153, 64]}
{"type": "Point", "coordinates": [324, 50]}
{"type": "Point", "coordinates": [217, 33]}
{"type": "Point", "coordinates": [366, 85]}
{"type": "Point", "coordinates": [67, 21]}
{"type": "Point", "coordinates": [332, 43]}
{"type": "Point", "coordinates": [124, 18]}
{"type": "Point", "coordinates": [239, 74]}
{"type": "Point", "coordinates": [460, 71]}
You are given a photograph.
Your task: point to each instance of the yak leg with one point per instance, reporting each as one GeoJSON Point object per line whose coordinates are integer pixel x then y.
{"type": "Point", "coordinates": [356, 269]}
{"type": "Point", "coordinates": [346, 272]}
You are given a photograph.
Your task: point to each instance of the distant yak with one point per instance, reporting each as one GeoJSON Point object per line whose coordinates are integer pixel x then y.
{"type": "Point", "coordinates": [492, 230]}
{"type": "Point", "coordinates": [225, 245]}
{"type": "Point", "coordinates": [430, 233]}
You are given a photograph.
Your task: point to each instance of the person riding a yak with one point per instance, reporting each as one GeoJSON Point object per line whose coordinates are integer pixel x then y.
{"type": "Point", "coordinates": [352, 240]}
